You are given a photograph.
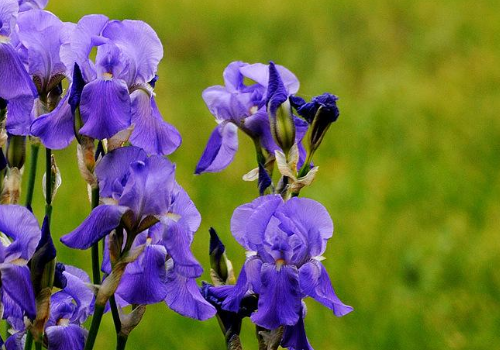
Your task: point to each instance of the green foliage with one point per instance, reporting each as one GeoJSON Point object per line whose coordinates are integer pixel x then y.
{"type": "Point", "coordinates": [410, 172]}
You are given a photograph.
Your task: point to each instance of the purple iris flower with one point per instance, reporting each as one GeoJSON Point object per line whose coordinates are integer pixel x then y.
{"type": "Point", "coordinates": [25, 5]}
{"type": "Point", "coordinates": [285, 241]}
{"type": "Point", "coordinates": [19, 239]}
{"type": "Point", "coordinates": [116, 88]}
{"type": "Point", "coordinates": [240, 106]}
{"type": "Point", "coordinates": [70, 307]}
{"type": "Point", "coordinates": [16, 86]}
{"type": "Point", "coordinates": [144, 188]}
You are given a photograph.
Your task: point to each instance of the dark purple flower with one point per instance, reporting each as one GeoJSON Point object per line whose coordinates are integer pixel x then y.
{"type": "Point", "coordinates": [285, 241]}
{"type": "Point", "coordinates": [22, 235]}
{"type": "Point", "coordinates": [70, 307]}
{"type": "Point", "coordinates": [320, 113]}
{"type": "Point", "coordinates": [114, 91]}
{"type": "Point", "coordinates": [239, 106]}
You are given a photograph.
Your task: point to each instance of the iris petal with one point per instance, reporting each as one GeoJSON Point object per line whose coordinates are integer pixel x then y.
{"type": "Point", "coordinates": [220, 150]}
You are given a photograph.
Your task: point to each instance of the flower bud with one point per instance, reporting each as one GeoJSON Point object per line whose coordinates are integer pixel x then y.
{"type": "Point", "coordinates": [16, 151]}
{"type": "Point", "coordinates": [43, 262]}
{"type": "Point", "coordinates": [280, 111]}
{"type": "Point", "coordinates": [221, 267]}
{"type": "Point", "coordinates": [11, 186]}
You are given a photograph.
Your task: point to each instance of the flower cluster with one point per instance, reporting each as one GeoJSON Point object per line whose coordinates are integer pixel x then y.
{"type": "Point", "coordinates": [142, 222]}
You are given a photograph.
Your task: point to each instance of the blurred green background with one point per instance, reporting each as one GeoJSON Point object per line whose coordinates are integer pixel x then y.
{"type": "Point", "coordinates": [409, 173]}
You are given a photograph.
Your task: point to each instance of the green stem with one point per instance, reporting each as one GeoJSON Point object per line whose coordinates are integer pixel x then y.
{"type": "Point", "coordinates": [38, 346]}
{"type": "Point", "coordinates": [32, 174]}
{"type": "Point", "coordinates": [48, 183]}
{"type": "Point", "coordinates": [29, 341]}
{"type": "Point", "coordinates": [115, 314]}
{"type": "Point", "coordinates": [121, 342]}
{"type": "Point", "coordinates": [94, 327]}
{"type": "Point", "coordinates": [96, 274]}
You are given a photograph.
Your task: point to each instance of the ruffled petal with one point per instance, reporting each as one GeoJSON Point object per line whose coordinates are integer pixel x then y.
{"type": "Point", "coordinates": [40, 32]}
{"type": "Point", "coordinates": [26, 5]}
{"type": "Point", "coordinates": [15, 80]}
{"type": "Point", "coordinates": [20, 224]}
{"type": "Point", "coordinates": [259, 73]}
{"type": "Point", "coordinates": [81, 44]}
{"type": "Point", "coordinates": [70, 337]}
{"type": "Point", "coordinates": [183, 206]}
{"type": "Point", "coordinates": [260, 219]}
{"type": "Point", "coordinates": [105, 108]}
{"type": "Point", "coordinates": [151, 133]}
{"type": "Point", "coordinates": [77, 288]}
{"type": "Point", "coordinates": [16, 341]}
{"type": "Point", "coordinates": [220, 150]}
{"type": "Point", "coordinates": [225, 105]}
{"type": "Point", "coordinates": [55, 129]}
{"type": "Point", "coordinates": [185, 298]}
{"type": "Point", "coordinates": [313, 222]}
{"type": "Point", "coordinates": [140, 45]}
{"type": "Point", "coordinates": [16, 282]}
{"type": "Point", "coordinates": [279, 299]}
{"type": "Point", "coordinates": [314, 281]}
{"type": "Point", "coordinates": [98, 224]}
{"type": "Point", "coordinates": [8, 15]}
{"type": "Point", "coordinates": [233, 79]}
{"type": "Point", "coordinates": [115, 166]}
{"type": "Point", "coordinates": [144, 280]}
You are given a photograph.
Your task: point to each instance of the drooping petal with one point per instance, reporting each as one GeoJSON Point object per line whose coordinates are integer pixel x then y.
{"type": "Point", "coordinates": [16, 341]}
{"type": "Point", "coordinates": [77, 288]}
{"type": "Point", "coordinates": [220, 150]}
{"type": "Point", "coordinates": [144, 280]}
{"type": "Point", "coordinates": [176, 240]}
{"type": "Point", "coordinates": [68, 337]}
{"type": "Point", "coordinates": [140, 45]}
{"type": "Point", "coordinates": [184, 297]}
{"type": "Point", "coordinates": [20, 224]}
{"type": "Point", "coordinates": [105, 108]}
{"type": "Point", "coordinates": [115, 166]}
{"type": "Point", "coordinates": [41, 33]}
{"type": "Point", "coordinates": [259, 73]}
{"type": "Point", "coordinates": [151, 133]}
{"type": "Point", "coordinates": [183, 205]}
{"type": "Point", "coordinates": [279, 299]}
{"type": "Point", "coordinates": [55, 129]}
{"type": "Point", "coordinates": [294, 337]}
{"type": "Point", "coordinates": [98, 224]}
{"type": "Point", "coordinates": [314, 281]}
{"type": "Point", "coordinates": [15, 80]}
{"type": "Point", "coordinates": [19, 116]}
{"type": "Point", "coordinates": [16, 282]}
{"type": "Point", "coordinates": [8, 15]}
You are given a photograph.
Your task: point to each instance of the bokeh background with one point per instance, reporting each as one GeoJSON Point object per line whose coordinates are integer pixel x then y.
{"type": "Point", "coordinates": [409, 172]}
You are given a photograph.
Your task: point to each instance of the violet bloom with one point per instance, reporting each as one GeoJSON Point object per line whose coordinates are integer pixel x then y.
{"type": "Point", "coordinates": [25, 5]}
{"type": "Point", "coordinates": [285, 241]}
{"type": "Point", "coordinates": [19, 238]}
{"type": "Point", "coordinates": [16, 86]}
{"type": "Point", "coordinates": [113, 92]}
{"type": "Point", "coordinates": [70, 307]}
{"type": "Point", "coordinates": [142, 190]}
{"type": "Point", "coordinates": [239, 106]}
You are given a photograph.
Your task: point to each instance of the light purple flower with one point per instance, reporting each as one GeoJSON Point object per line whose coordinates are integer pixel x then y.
{"type": "Point", "coordinates": [69, 308]}
{"type": "Point", "coordinates": [16, 86]}
{"type": "Point", "coordinates": [117, 87]}
{"type": "Point", "coordinates": [21, 237]}
{"type": "Point", "coordinates": [239, 106]}
{"type": "Point", "coordinates": [285, 242]}
{"type": "Point", "coordinates": [144, 188]}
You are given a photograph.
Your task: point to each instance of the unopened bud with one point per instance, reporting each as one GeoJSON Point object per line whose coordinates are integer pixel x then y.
{"type": "Point", "coordinates": [16, 151]}
{"type": "Point", "coordinates": [221, 267]}
{"type": "Point", "coordinates": [43, 262]}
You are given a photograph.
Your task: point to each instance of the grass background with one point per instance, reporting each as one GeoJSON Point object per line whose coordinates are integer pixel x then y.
{"type": "Point", "coordinates": [409, 173]}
